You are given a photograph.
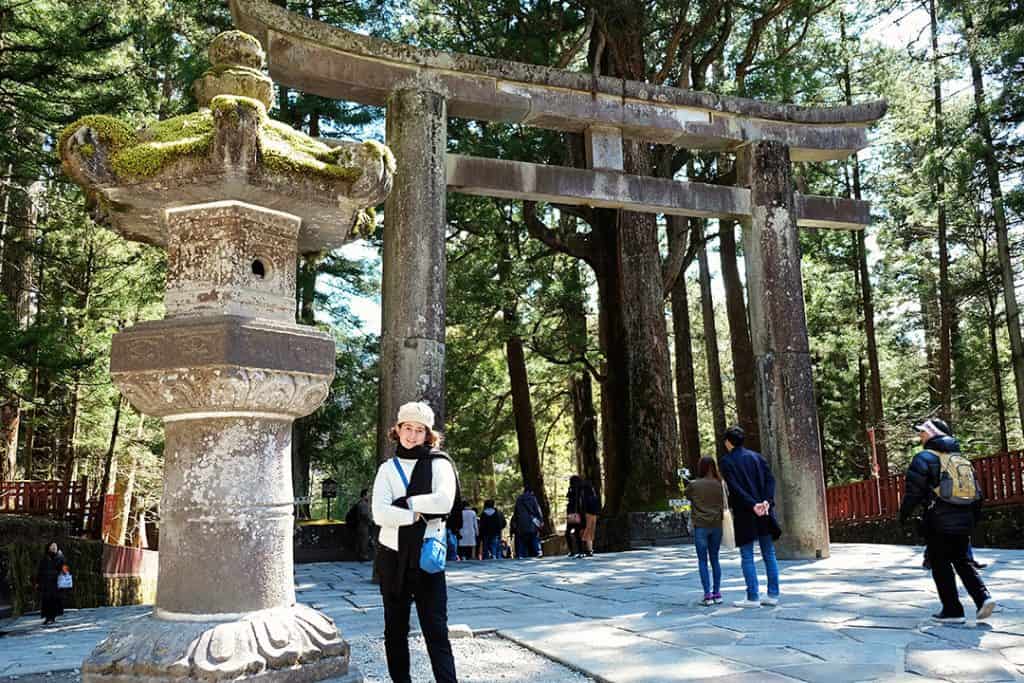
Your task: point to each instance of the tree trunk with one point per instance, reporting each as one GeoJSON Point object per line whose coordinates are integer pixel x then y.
{"type": "Point", "coordinates": [584, 417]}
{"type": "Point", "coordinates": [614, 386]}
{"type": "Point", "coordinates": [945, 299]}
{"type": "Point", "coordinates": [653, 439]}
{"type": "Point", "coordinates": [526, 430]}
{"type": "Point", "coordinates": [18, 215]}
{"type": "Point", "coordinates": [710, 338]}
{"type": "Point", "coordinates": [929, 323]}
{"type": "Point", "coordinates": [110, 461]}
{"type": "Point", "coordinates": [686, 391]}
{"type": "Point", "coordinates": [522, 407]}
{"type": "Point", "coordinates": [998, 214]}
{"type": "Point", "coordinates": [739, 336]}
{"type": "Point", "coordinates": [301, 466]}
{"type": "Point", "coordinates": [10, 419]}
{"type": "Point", "coordinates": [997, 370]}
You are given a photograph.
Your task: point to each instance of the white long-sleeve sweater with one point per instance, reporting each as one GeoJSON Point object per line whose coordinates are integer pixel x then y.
{"type": "Point", "coordinates": [388, 486]}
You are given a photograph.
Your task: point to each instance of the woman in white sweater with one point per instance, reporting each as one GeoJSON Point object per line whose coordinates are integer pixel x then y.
{"type": "Point", "coordinates": [413, 493]}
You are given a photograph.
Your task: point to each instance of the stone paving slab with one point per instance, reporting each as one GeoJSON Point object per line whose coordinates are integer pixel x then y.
{"type": "Point", "coordinates": [635, 617]}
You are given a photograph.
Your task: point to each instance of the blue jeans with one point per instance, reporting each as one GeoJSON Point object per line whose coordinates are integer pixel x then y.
{"type": "Point", "coordinates": [527, 545]}
{"type": "Point", "coordinates": [492, 547]}
{"type": "Point", "coordinates": [771, 567]}
{"type": "Point", "coordinates": [708, 542]}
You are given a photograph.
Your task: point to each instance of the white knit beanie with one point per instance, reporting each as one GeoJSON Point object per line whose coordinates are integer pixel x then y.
{"type": "Point", "coordinates": [416, 412]}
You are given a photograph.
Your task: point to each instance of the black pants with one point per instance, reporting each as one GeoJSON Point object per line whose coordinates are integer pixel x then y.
{"type": "Point", "coordinates": [431, 596]}
{"type": "Point", "coordinates": [948, 552]}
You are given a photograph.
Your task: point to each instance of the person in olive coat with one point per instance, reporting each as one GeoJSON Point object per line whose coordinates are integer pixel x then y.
{"type": "Point", "coordinates": [51, 564]}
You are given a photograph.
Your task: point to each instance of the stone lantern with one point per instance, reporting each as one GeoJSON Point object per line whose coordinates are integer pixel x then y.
{"type": "Point", "coordinates": [235, 198]}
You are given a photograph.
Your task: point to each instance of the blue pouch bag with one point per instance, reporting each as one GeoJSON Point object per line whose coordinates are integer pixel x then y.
{"type": "Point", "coordinates": [434, 553]}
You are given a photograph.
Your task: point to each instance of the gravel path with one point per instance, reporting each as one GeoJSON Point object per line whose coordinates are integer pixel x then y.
{"type": "Point", "coordinates": [485, 659]}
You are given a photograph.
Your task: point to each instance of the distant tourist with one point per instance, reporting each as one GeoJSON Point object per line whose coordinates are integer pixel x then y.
{"type": "Point", "coordinates": [707, 500]}
{"type": "Point", "coordinates": [752, 501]}
{"type": "Point", "coordinates": [412, 494]}
{"type": "Point", "coordinates": [359, 520]}
{"type": "Point", "coordinates": [467, 542]}
{"type": "Point", "coordinates": [575, 517]}
{"type": "Point", "coordinates": [528, 521]}
{"type": "Point", "coordinates": [942, 480]}
{"type": "Point", "coordinates": [591, 508]}
{"type": "Point", "coordinates": [52, 566]}
{"type": "Point", "coordinates": [492, 522]}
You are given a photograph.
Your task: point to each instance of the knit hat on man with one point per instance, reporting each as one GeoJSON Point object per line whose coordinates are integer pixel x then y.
{"type": "Point", "coordinates": [416, 412]}
{"type": "Point", "coordinates": [932, 429]}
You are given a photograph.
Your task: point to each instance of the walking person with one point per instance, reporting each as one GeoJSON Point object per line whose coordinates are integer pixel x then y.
{"type": "Point", "coordinates": [467, 541]}
{"type": "Point", "coordinates": [707, 500]}
{"type": "Point", "coordinates": [942, 481]}
{"type": "Point", "coordinates": [412, 494]}
{"type": "Point", "coordinates": [591, 509]}
{"type": "Point", "coordinates": [751, 489]}
{"type": "Point", "coordinates": [492, 522]}
{"type": "Point", "coordinates": [51, 566]}
{"type": "Point", "coordinates": [575, 519]}
{"type": "Point", "coordinates": [528, 521]}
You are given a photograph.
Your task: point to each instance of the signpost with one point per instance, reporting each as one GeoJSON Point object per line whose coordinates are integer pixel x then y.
{"type": "Point", "coordinates": [329, 490]}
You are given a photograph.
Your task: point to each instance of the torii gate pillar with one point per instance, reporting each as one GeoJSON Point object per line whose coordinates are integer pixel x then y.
{"type": "Point", "coordinates": [785, 384]}
{"type": "Point", "coordinates": [412, 347]}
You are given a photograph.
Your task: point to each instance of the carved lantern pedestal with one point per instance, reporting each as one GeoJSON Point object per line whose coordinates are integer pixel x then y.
{"type": "Point", "coordinates": [228, 370]}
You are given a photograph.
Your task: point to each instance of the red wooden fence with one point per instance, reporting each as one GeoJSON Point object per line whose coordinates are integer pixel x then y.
{"type": "Point", "coordinates": [1001, 477]}
{"type": "Point", "coordinates": [66, 502]}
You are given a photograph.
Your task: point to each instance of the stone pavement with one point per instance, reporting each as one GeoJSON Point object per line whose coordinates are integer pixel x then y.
{"type": "Point", "coordinates": [861, 615]}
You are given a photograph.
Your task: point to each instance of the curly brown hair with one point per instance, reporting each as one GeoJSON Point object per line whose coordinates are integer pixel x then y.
{"type": "Point", "coordinates": [434, 439]}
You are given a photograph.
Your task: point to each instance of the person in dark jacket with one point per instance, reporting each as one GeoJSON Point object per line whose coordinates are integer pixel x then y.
{"type": "Point", "coordinates": [492, 522]}
{"type": "Point", "coordinates": [592, 508]}
{"type": "Point", "coordinates": [947, 527]}
{"type": "Point", "coordinates": [527, 520]}
{"type": "Point", "coordinates": [752, 500]}
{"type": "Point", "coordinates": [51, 565]}
{"type": "Point", "coordinates": [575, 520]}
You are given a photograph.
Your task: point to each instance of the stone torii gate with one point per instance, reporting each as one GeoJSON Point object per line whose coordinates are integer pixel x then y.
{"type": "Point", "coordinates": [422, 87]}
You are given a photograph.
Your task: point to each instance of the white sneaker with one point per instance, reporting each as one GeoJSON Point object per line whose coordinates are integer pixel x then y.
{"type": "Point", "coordinates": [746, 603]}
{"type": "Point", "coordinates": [986, 609]}
{"type": "Point", "coordinates": [769, 601]}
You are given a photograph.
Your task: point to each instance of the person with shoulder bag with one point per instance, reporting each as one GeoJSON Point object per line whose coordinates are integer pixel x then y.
{"type": "Point", "coordinates": [707, 500]}
{"type": "Point", "coordinates": [413, 494]}
{"type": "Point", "coordinates": [53, 579]}
{"type": "Point", "coordinates": [942, 481]}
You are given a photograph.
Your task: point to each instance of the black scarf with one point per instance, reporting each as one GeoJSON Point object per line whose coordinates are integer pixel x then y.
{"type": "Point", "coordinates": [392, 565]}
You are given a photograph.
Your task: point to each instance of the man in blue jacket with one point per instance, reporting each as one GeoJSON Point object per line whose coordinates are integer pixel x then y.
{"type": "Point", "coordinates": [752, 500]}
{"type": "Point", "coordinates": [947, 526]}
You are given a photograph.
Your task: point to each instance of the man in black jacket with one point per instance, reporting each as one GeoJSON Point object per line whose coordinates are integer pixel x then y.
{"type": "Point", "coordinates": [947, 526]}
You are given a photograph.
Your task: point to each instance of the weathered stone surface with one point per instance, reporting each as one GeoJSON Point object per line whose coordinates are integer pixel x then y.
{"type": "Point", "coordinates": [786, 405]}
{"type": "Point", "coordinates": [287, 644]}
{"type": "Point", "coordinates": [230, 258]}
{"type": "Point", "coordinates": [332, 62]}
{"type": "Point", "coordinates": [617, 190]}
{"type": "Point", "coordinates": [413, 278]}
{"type": "Point", "coordinates": [228, 370]}
{"type": "Point", "coordinates": [222, 341]}
{"type": "Point", "coordinates": [229, 151]}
